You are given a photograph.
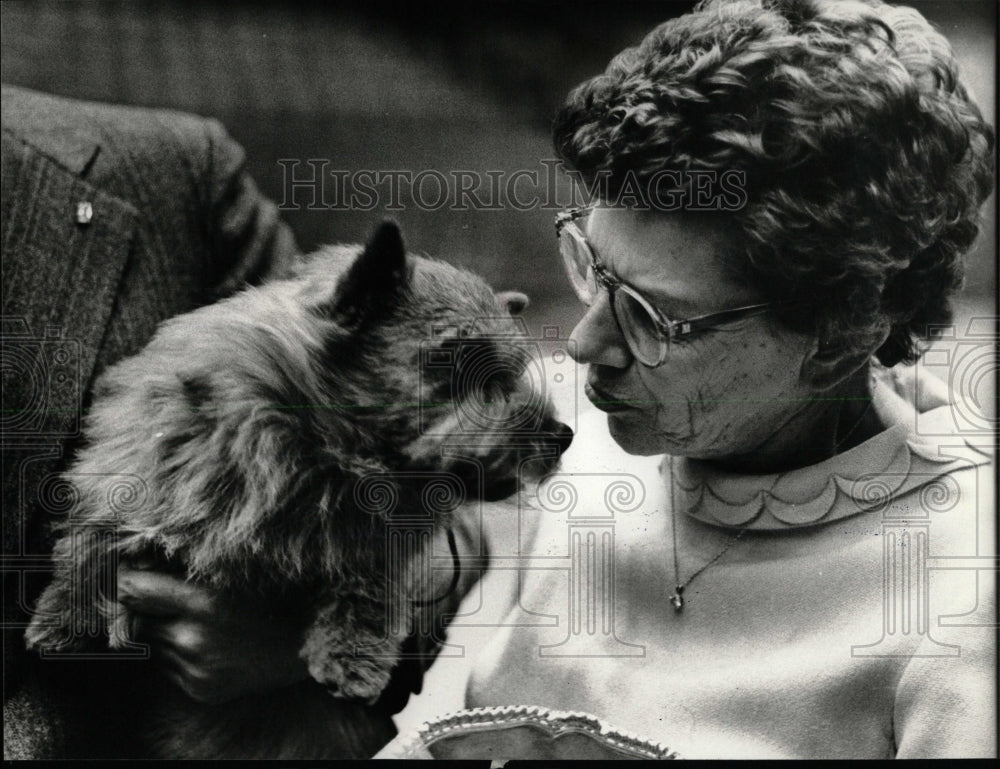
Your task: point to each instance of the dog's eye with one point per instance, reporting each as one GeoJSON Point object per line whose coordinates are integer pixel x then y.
{"type": "Point", "coordinates": [475, 366]}
{"type": "Point", "coordinates": [489, 366]}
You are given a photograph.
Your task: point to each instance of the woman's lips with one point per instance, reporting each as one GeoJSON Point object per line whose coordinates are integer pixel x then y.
{"type": "Point", "coordinates": [605, 401]}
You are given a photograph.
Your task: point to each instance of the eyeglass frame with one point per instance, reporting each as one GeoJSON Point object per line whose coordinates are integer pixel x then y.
{"type": "Point", "coordinates": [669, 330]}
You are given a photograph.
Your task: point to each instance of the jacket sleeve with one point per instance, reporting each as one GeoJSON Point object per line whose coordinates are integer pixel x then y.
{"type": "Point", "coordinates": [199, 219]}
{"type": "Point", "coordinates": [246, 237]}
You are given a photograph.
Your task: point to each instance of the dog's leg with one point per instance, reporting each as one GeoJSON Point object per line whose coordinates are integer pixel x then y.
{"type": "Point", "coordinates": [353, 645]}
{"type": "Point", "coordinates": [51, 627]}
{"type": "Point", "coordinates": [72, 613]}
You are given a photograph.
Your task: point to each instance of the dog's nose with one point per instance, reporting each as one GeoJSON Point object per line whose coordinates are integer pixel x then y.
{"type": "Point", "coordinates": [563, 435]}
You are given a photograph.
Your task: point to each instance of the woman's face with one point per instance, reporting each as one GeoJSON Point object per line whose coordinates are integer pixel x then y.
{"type": "Point", "coordinates": [720, 393]}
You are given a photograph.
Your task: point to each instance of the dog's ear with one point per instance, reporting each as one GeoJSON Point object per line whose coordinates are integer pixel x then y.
{"type": "Point", "coordinates": [513, 302]}
{"type": "Point", "coordinates": [376, 279]}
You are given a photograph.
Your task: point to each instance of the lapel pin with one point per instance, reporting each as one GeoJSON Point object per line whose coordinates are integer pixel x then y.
{"type": "Point", "coordinates": [84, 212]}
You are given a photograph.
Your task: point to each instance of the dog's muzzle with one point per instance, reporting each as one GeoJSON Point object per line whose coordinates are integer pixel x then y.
{"type": "Point", "coordinates": [535, 460]}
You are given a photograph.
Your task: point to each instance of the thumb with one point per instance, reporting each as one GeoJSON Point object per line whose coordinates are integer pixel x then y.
{"type": "Point", "coordinates": [162, 595]}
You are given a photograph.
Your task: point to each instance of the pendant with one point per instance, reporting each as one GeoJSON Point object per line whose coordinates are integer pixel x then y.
{"type": "Point", "coordinates": [677, 600]}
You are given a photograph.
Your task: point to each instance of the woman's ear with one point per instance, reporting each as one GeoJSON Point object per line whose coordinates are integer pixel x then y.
{"type": "Point", "coordinates": [825, 370]}
{"type": "Point", "coordinates": [827, 365]}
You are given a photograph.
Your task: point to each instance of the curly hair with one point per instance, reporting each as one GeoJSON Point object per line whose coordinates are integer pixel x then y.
{"type": "Point", "coordinates": [865, 159]}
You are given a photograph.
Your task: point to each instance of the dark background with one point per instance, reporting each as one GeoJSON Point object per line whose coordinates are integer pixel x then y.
{"type": "Point", "coordinates": [384, 86]}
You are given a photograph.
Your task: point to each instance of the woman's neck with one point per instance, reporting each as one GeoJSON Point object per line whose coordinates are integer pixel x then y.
{"type": "Point", "coordinates": [823, 428]}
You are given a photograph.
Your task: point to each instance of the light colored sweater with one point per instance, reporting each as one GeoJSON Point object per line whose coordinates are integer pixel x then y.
{"type": "Point", "coordinates": [854, 618]}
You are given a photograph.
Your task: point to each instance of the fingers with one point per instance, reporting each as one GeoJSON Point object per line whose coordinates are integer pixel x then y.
{"type": "Point", "coordinates": [178, 659]}
{"type": "Point", "coordinates": [186, 639]}
{"type": "Point", "coordinates": [191, 680]}
{"type": "Point", "coordinates": [162, 595]}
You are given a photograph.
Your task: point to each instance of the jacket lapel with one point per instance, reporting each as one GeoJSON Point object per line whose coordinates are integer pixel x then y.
{"type": "Point", "coordinates": [65, 245]}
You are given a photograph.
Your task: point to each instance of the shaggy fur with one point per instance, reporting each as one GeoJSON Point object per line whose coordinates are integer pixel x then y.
{"type": "Point", "coordinates": [236, 449]}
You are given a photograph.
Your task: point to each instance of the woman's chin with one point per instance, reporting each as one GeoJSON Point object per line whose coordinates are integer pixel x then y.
{"type": "Point", "coordinates": [630, 430]}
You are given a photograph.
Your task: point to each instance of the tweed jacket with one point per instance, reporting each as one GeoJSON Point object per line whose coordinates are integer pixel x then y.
{"type": "Point", "coordinates": [113, 219]}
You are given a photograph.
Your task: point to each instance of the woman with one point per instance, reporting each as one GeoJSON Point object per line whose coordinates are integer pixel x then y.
{"type": "Point", "coordinates": [772, 595]}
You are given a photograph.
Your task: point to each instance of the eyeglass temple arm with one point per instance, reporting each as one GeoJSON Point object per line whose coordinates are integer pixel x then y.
{"type": "Point", "coordinates": [703, 322]}
{"type": "Point", "coordinates": [563, 217]}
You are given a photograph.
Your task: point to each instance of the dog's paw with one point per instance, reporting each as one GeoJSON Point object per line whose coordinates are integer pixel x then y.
{"type": "Point", "coordinates": [51, 627]}
{"type": "Point", "coordinates": [47, 634]}
{"type": "Point", "coordinates": [357, 672]}
{"type": "Point", "coordinates": [354, 663]}
{"type": "Point", "coordinates": [354, 678]}
{"type": "Point", "coordinates": [120, 623]}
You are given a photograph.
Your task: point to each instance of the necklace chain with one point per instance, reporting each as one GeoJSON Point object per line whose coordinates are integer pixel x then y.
{"type": "Point", "coordinates": [864, 412]}
{"type": "Point", "coordinates": [677, 599]}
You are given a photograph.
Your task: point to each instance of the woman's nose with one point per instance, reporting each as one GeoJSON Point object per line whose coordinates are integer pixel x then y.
{"type": "Point", "coordinates": [597, 338]}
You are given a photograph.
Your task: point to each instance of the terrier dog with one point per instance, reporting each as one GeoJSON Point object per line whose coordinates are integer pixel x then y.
{"type": "Point", "coordinates": [239, 449]}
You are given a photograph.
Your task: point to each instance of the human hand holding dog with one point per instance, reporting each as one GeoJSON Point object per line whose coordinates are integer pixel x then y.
{"type": "Point", "coordinates": [214, 646]}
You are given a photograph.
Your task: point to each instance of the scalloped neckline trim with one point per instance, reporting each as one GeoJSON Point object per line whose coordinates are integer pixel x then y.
{"type": "Point", "coordinates": [867, 477]}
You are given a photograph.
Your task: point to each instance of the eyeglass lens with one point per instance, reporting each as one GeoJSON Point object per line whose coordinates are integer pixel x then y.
{"type": "Point", "coordinates": [633, 317]}
{"type": "Point", "coordinates": [638, 327]}
{"type": "Point", "coordinates": [576, 256]}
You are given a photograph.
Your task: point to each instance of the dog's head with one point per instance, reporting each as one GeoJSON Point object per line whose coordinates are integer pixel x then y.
{"type": "Point", "coordinates": [254, 422]}
{"type": "Point", "coordinates": [441, 376]}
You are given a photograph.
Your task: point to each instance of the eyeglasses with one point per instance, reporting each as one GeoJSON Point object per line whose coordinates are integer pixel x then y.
{"type": "Point", "coordinates": [647, 332]}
